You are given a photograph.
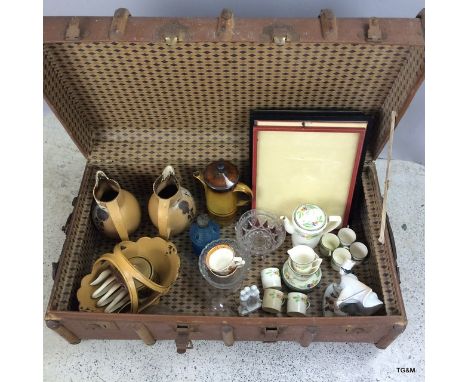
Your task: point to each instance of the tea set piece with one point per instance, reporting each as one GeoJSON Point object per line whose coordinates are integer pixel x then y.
{"type": "Point", "coordinates": [350, 296]}
{"type": "Point", "coordinates": [339, 257]}
{"type": "Point", "coordinates": [202, 232]}
{"type": "Point", "coordinates": [300, 283]}
{"type": "Point", "coordinates": [358, 251]}
{"type": "Point", "coordinates": [304, 260]}
{"type": "Point", "coordinates": [328, 243]}
{"type": "Point", "coordinates": [131, 278]}
{"type": "Point", "coordinates": [260, 232]}
{"type": "Point", "coordinates": [271, 278]}
{"type": "Point", "coordinates": [298, 304]}
{"type": "Point", "coordinates": [273, 300]}
{"type": "Point", "coordinates": [171, 207]}
{"type": "Point", "coordinates": [220, 180]}
{"type": "Point", "coordinates": [308, 223]}
{"type": "Point", "coordinates": [116, 212]}
{"type": "Point", "coordinates": [223, 264]}
{"type": "Point", "coordinates": [249, 300]}
{"type": "Point", "coordinates": [301, 271]}
{"type": "Point", "coordinates": [347, 236]}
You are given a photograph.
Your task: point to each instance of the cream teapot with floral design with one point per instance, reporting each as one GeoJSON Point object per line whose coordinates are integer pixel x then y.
{"type": "Point", "coordinates": [309, 222]}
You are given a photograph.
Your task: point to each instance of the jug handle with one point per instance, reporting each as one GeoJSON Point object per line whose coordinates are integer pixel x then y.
{"type": "Point", "coordinates": [243, 189]}
{"type": "Point", "coordinates": [163, 218]}
{"type": "Point", "coordinates": [333, 222]}
{"type": "Point", "coordinates": [116, 217]}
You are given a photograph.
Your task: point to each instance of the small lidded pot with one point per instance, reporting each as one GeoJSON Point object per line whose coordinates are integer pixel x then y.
{"type": "Point", "coordinates": [220, 180]}
{"type": "Point", "coordinates": [309, 223]}
{"type": "Point", "coordinates": [202, 232]}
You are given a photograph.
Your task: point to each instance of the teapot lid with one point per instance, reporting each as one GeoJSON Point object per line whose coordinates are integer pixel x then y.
{"type": "Point", "coordinates": [310, 217]}
{"type": "Point", "coordinates": [221, 175]}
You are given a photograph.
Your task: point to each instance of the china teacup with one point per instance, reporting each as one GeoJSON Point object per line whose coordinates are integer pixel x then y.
{"type": "Point", "coordinates": [358, 251]}
{"type": "Point", "coordinates": [272, 300]}
{"type": "Point", "coordinates": [297, 304]}
{"type": "Point", "coordinates": [303, 259]}
{"type": "Point", "coordinates": [328, 243]}
{"type": "Point", "coordinates": [221, 260]}
{"type": "Point", "coordinates": [347, 236]}
{"type": "Point", "coordinates": [339, 256]}
{"type": "Point", "coordinates": [271, 278]}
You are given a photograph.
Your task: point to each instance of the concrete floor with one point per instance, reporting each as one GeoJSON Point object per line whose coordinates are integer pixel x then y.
{"type": "Point", "coordinates": [247, 361]}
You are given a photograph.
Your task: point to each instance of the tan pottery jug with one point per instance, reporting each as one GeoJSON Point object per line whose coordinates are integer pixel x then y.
{"type": "Point", "coordinates": [116, 212]}
{"type": "Point", "coordinates": [171, 207]}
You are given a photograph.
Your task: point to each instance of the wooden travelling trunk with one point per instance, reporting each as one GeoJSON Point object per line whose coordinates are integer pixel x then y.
{"type": "Point", "coordinates": [136, 94]}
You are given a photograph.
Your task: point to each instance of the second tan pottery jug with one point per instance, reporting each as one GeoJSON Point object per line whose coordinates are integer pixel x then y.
{"type": "Point", "coordinates": [116, 212]}
{"type": "Point", "coordinates": [171, 207]}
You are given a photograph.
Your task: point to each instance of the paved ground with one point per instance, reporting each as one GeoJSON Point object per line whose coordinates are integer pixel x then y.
{"type": "Point", "coordinates": [249, 361]}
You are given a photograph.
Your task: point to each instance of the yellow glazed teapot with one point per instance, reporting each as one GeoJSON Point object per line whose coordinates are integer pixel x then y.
{"type": "Point", "coordinates": [220, 179]}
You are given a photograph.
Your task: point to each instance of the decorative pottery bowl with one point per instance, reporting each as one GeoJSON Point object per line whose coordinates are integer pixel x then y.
{"type": "Point", "coordinates": [260, 232]}
{"type": "Point", "coordinates": [143, 271]}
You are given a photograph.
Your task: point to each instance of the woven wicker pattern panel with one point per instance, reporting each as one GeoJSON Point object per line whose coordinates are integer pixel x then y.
{"type": "Point", "coordinates": [190, 294]}
{"type": "Point", "coordinates": [371, 214]}
{"type": "Point", "coordinates": [61, 96]}
{"type": "Point", "coordinates": [411, 72]}
{"type": "Point", "coordinates": [201, 93]}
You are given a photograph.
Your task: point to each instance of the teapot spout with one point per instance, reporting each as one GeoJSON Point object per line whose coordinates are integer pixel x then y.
{"type": "Point", "coordinates": [287, 225]}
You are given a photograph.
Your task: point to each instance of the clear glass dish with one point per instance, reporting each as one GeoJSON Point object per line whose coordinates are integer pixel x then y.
{"type": "Point", "coordinates": [259, 232]}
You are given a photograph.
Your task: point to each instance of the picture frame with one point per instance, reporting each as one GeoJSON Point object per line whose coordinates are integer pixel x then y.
{"type": "Point", "coordinates": [307, 157]}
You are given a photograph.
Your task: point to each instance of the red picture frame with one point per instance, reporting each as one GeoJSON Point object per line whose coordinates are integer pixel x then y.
{"type": "Point", "coordinates": [341, 127]}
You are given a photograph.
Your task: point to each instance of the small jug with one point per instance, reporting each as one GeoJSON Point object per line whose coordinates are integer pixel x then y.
{"type": "Point", "coordinates": [171, 207]}
{"type": "Point", "coordinates": [116, 212]}
{"type": "Point", "coordinates": [309, 223]}
{"type": "Point", "coordinates": [220, 180]}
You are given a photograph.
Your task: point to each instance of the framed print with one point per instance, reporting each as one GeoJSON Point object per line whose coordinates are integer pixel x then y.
{"type": "Point", "coordinates": [297, 162]}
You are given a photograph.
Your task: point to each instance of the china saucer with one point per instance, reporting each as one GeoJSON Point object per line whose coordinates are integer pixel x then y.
{"type": "Point", "coordinates": [304, 283]}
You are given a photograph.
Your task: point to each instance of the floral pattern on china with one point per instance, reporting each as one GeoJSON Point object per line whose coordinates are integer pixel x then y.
{"type": "Point", "coordinates": [310, 217]}
{"type": "Point", "coordinates": [271, 272]}
{"type": "Point", "coordinates": [297, 298]}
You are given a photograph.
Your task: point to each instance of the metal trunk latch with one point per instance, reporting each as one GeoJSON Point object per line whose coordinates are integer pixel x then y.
{"type": "Point", "coordinates": [270, 334]}
{"type": "Point", "coordinates": [173, 32]}
{"type": "Point", "coordinates": [182, 340]}
{"type": "Point", "coordinates": [279, 34]}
